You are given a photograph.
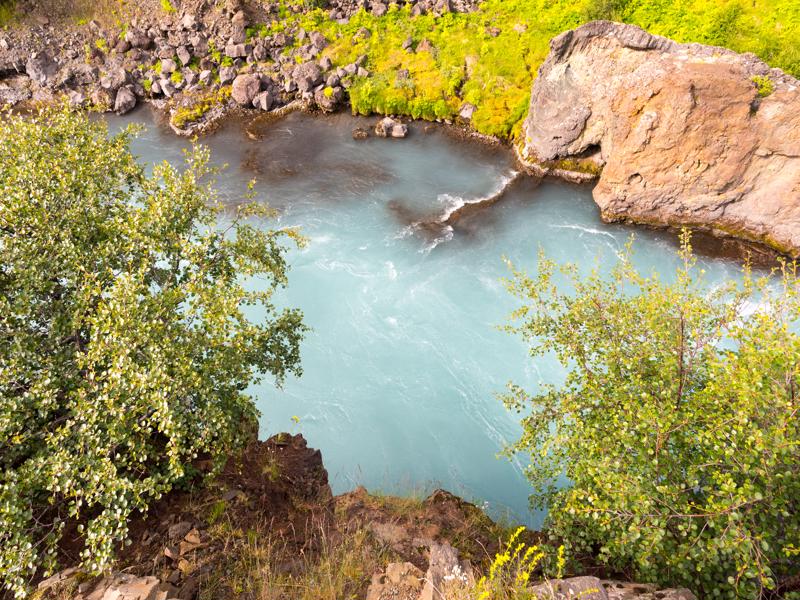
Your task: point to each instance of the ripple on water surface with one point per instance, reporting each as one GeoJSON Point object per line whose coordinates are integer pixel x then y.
{"type": "Point", "coordinates": [401, 283]}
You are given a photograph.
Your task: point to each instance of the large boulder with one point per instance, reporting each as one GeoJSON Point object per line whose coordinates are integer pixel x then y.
{"type": "Point", "coordinates": [685, 134]}
{"type": "Point", "coordinates": [125, 100]}
{"type": "Point", "coordinates": [328, 98]}
{"type": "Point", "coordinates": [114, 79]}
{"type": "Point", "coordinates": [41, 67]}
{"type": "Point", "coordinates": [307, 76]}
{"type": "Point", "coordinates": [246, 88]}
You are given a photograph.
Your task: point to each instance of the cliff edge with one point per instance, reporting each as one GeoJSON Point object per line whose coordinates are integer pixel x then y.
{"type": "Point", "coordinates": [685, 134]}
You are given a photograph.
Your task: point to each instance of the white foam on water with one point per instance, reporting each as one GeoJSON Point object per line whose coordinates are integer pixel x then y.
{"type": "Point", "coordinates": [455, 203]}
{"type": "Point", "coordinates": [582, 229]}
{"type": "Point", "coordinates": [448, 235]}
{"type": "Point", "coordinates": [391, 271]}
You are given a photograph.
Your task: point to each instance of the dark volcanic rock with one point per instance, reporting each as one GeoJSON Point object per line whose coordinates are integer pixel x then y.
{"type": "Point", "coordinates": [41, 67]}
{"type": "Point", "coordinates": [245, 88]}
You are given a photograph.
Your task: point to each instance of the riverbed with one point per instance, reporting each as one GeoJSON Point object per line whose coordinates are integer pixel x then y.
{"type": "Point", "coordinates": [401, 282]}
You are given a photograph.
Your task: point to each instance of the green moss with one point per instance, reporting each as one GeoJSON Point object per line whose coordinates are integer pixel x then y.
{"type": "Point", "coordinates": [148, 85]}
{"type": "Point", "coordinates": [328, 91]}
{"type": "Point", "coordinates": [167, 6]}
{"type": "Point", "coordinates": [101, 44]}
{"type": "Point", "coordinates": [764, 85]}
{"type": "Point", "coordinates": [200, 105]}
{"type": "Point", "coordinates": [577, 165]}
{"type": "Point", "coordinates": [176, 77]}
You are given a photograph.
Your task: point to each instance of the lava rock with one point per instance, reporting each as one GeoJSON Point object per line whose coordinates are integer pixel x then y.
{"type": "Point", "coordinates": [41, 67]}
{"type": "Point", "coordinates": [125, 100]}
{"type": "Point", "coordinates": [388, 127]}
{"type": "Point", "coordinates": [245, 88]}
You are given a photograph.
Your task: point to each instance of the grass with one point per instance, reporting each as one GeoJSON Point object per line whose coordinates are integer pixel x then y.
{"type": "Point", "coordinates": [328, 567]}
{"type": "Point", "coordinates": [490, 57]}
{"type": "Point", "coordinates": [7, 12]}
{"type": "Point", "coordinates": [263, 565]}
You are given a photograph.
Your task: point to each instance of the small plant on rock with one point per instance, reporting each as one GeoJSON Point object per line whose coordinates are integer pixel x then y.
{"type": "Point", "coordinates": [764, 85]}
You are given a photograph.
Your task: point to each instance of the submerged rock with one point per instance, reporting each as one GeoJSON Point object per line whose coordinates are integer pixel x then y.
{"type": "Point", "coordinates": [685, 134]}
{"type": "Point", "coordinates": [388, 127]}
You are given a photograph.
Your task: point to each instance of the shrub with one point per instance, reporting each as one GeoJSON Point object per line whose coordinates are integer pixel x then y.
{"type": "Point", "coordinates": [167, 6]}
{"type": "Point", "coordinates": [764, 85]}
{"type": "Point", "coordinates": [676, 426]}
{"type": "Point", "coordinates": [125, 348]}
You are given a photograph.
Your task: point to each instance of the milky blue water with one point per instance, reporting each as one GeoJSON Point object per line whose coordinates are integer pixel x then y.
{"type": "Point", "coordinates": [405, 359]}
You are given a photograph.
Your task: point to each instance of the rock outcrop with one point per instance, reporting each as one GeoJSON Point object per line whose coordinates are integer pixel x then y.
{"type": "Point", "coordinates": [685, 134]}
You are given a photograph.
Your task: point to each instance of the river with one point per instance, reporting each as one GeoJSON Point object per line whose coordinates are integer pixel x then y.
{"type": "Point", "coordinates": [405, 360]}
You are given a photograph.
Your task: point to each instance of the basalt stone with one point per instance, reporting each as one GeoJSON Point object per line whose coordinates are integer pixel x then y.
{"type": "Point", "coordinates": [76, 97]}
{"type": "Point", "coordinates": [263, 101]}
{"type": "Point", "coordinates": [184, 55]}
{"type": "Point", "coordinates": [245, 88]}
{"type": "Point", "coordinates": [167, 88]}
{"type": "Point", "coordinates": [227, 74]}
{"type": "Point", "coordinates": [318, 40]}
{"type": "Point", "coordinates": [41, 67]}
{"type": "Point", "coordinates": [328, 98]}
{"type": "Point", "coordinates": [84, 74]}
{"type": "Point", "coordinates": [122, 47]}
{"type": "Point", "coordinates": [125, 100]}
{"type": "Point", "coordinates": [168, 66]}
{"type": "Point", "coordinates": [388, 127]}
{"type": "Point", "coordinates": [466, 111]}
{"type": "Point", "coordinates": [199, 44]}
{"type": "Point", "coordinates": [189, 22]}
{"type": "Point", "coordinates": [260, 52]}
{"type": "Point", "coordinates": [114, 79]}
{"type": "Point", "coordinates": [238, 50]}
{"type": "Point", "coordinates": [165, 51]}
{"type": "Point", "coordinates": [308, 75]}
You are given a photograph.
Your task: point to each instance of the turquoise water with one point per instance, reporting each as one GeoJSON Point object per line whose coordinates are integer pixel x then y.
{"type": "Point", "coordinates": [405, 358]}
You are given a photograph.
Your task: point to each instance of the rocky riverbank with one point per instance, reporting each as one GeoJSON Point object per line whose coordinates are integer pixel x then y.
{"type": "Point", "coordinates": [269, 527]}
{"type": "Point", "coordinates": [196, 63]}
{"type": "Point", "coordinates": [679, 134]}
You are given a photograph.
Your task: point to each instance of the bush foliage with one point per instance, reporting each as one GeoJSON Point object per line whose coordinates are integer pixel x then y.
{"type": "Point", "coordinates": [124, 346]}
{"type": "Point", "coordinates": [490, 57]}
{"type": "Point", "coordinates": [676, 426]}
